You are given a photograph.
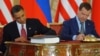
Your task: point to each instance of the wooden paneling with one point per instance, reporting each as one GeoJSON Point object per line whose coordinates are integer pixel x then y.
{"type": "Point", "coordinates": [68, 48]}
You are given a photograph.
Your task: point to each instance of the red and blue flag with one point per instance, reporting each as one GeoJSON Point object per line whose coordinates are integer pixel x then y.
{"type": "Point", "coordinates": [38, 9]}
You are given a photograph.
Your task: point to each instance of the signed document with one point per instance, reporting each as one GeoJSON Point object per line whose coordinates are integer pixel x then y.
{"type": "Point", "coordinates": [45, 39]}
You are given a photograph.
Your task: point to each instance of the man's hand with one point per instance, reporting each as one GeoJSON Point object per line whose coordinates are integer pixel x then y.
{"type": "Point", "coordinates": [80, 37]}
{"type": "Point", "coordinates": [21, 39]}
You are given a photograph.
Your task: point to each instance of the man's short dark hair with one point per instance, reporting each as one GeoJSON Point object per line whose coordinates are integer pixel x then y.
{"type": "Point", "coordinates": [86, 5]}
{"type": "Point", "coordinates": [16, 9]}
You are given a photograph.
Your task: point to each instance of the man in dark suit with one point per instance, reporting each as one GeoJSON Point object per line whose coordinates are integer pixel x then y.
{"type": "Point", "coordinates": [78, 27]}
{"type": "Point", "coordinates": [12, 31]}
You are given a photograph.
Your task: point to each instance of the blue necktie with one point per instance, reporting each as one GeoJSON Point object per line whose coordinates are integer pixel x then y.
{"type": "Point", "coordinates": [82, 28]}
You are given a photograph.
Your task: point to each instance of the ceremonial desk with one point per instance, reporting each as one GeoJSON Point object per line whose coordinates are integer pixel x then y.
{"type": "Point", "coordinates": [66, 48]}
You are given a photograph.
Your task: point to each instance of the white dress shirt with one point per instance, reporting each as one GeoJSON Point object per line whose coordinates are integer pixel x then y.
{"type": "Point", "coordinates": [20, 27]}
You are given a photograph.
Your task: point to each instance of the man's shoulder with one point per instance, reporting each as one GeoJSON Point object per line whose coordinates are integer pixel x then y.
{"type": "Point", "coordinates": [70, 20]}
{"type": "Point", "coordinates": [10, 24]}
{"type": "Point", "coordinates": [89, 21]}
{"type": "Point", "coordinates": [32, 19]}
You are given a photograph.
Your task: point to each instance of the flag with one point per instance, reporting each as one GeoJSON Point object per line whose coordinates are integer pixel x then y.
{"type": "Point", "coordinates": [5, 7]}
{"type": "Point", "coordinates": [37, 9]}
{"type": "Point", "coordinates": [67, 9]}
{"type": "Point", "coordinates": [96, 14]}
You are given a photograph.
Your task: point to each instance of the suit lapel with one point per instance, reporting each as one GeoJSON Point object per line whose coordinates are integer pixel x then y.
{"type": "Point", "coordinates": [28, 27]}
{"type": "Point", "coordinates": [75, 25]}
{"type": "Point", "coordinates": [16, 29]}
{"type": "Point", "coordinates": [87, 25]}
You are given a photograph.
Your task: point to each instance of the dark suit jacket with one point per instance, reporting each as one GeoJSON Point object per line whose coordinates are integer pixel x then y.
{"type": "Point", "coordinates": [33, 26]}
{"type": "Point", "coordinates": [70, 28]}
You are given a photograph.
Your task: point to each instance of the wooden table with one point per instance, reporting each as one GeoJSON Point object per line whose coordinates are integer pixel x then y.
{"type": "Point", "coordinates": [68, 48]}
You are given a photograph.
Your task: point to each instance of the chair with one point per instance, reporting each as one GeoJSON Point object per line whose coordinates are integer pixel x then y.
{"type": "Point", "coordinates": [1, 32]}
{"type": "Point", "coordinates": [56, 26]}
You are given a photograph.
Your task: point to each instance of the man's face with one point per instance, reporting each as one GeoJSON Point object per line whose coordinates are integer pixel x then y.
{"type": "Point", "coordinates": [20, 17]}
{"type": "Point", "coordinates": [83, 14]}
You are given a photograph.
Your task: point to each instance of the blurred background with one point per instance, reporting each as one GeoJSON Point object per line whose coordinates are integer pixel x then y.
{"type": "Point", "coordinates": [49, 11]}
